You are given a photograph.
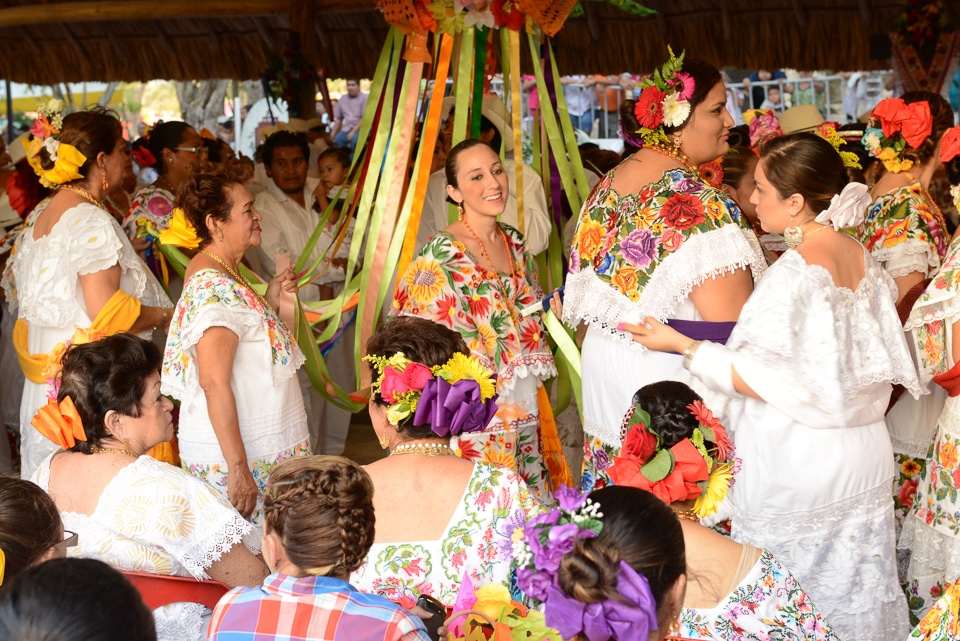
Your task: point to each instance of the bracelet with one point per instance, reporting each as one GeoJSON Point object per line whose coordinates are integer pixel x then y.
{"type": "Point", "coordinates": [690, 351]}
{"type": "Point", "coordinates": [163, 318]}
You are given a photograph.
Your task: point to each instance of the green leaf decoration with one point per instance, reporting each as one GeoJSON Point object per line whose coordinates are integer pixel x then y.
{"type": "Point", "coordinates": [657, 468]}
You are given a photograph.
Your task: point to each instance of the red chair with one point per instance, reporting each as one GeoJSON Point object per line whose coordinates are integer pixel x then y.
{"type": "Point", "coordinates": [158, 590]}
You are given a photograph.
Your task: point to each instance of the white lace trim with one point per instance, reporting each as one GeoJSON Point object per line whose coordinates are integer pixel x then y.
{"type": "Point", "coordinates": [540, 366]}
{"type": "Point", "coordinates": [932, 553]}
{"type": "Point", "coordinates": [182, 621]}
{"type": "Point", "coordinates": [913, 449]}
{"type": "Point", "coordinates": [844, 556]}
{"type": "Point", "coordinates": [608, 435]}
{"type": "Point", "coordinates": [798, 316]}
{"type": "Point", "coordinates": [909, 250]}
{"type": "Point", "coordinates": [238, 321]}
{"type": "Point", "coordinates": [926, 316]}
{"type": "Point", "coordinates": [722, 251]}
{"type": "Point", "coordinates": [86, 239]}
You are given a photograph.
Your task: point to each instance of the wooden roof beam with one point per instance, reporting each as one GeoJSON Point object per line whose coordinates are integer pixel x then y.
{"type": "Point", "coordinates": [113, 10]}
{"type": "Point", "coordinates": [799, 12]}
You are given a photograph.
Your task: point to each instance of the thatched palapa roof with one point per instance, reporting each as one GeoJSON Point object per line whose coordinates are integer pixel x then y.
{"type": "Point", "coordinates": [48, 41]}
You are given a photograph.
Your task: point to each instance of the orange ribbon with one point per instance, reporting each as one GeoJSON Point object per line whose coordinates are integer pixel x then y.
{"type": "Point", "coordinates": [914, 121]}
{"type": "Point", "coordinates": [950, 145]}
{"type": "Point", "coordinates": [60, 422]}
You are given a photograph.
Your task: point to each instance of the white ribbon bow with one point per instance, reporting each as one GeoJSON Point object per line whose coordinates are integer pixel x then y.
{"type": "Point", "coordinates": [848, 208]}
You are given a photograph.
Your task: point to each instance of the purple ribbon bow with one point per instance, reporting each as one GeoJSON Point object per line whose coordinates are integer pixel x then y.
{"type": "Point", "coordinates": [453, 409]}
{"type": "Point", "coordinates": [631, 618]}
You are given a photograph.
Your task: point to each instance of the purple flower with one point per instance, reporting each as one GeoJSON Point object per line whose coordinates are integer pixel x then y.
{"type": "Point", "coordinates": [569, 498]}
{"type": "Point", "coordinates": [534, 583]}
{"type": "Point", "coordinates": [601, 459]}
{"type": "Point", "coordinates": [687, 186]}
{"type": "Point", "coordinates": [639, 248]}
{"type": "Point", "coordinates": [545, 518]}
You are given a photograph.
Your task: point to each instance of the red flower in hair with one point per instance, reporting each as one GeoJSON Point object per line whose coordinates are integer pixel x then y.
{"type": "Point", "coordinates": [703, 415]}
{"type": "Point", "coordinates": [649, 108]}
{"type": "Point", "coordinates": [144, 156]}
{"type": "Point", "coordinates": [639, 444]}
{"type": "Point", "coordinates": [950, 145]}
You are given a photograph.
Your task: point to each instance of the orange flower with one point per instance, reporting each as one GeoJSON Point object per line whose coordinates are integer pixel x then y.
{"type": "Point", "coordinates": [948, 455]}
{"type": "Point", "coordinates": [625, 280]}
{"type": "Point", "coordinates": [589, 239]}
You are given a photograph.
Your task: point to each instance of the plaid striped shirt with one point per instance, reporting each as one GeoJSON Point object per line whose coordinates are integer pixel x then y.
{"type": "Point", "coordinates": [319, 608]}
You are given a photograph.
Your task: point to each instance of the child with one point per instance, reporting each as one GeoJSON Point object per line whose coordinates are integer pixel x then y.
{"type": "Point", "coordinates": [334, 164]}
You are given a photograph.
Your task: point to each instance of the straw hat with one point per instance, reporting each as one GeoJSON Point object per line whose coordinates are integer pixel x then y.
{"type": "Point", "coordinates": [18, 148]}
{"type": "Point", "coordinates": [493, 110]}
{"type": "Point", "coordinates": [296, 125]}
{"type": "Point", "coordinates": [800, 118]}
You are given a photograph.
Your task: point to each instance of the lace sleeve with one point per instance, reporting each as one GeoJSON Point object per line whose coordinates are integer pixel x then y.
{"type": "Point", "coordinates": [186, 517]}
{"type": "Point", "coordinates": [95, 245]}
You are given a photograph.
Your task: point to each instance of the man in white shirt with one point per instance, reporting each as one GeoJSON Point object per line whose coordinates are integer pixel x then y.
{"type": "Point", "coordinates": [494, 131]}
{"type": "Point", "coordinates": [289, 218]}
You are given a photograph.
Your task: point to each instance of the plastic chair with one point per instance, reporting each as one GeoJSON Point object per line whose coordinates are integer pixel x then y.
{"type": "Point", "coordinates": [158, 590]}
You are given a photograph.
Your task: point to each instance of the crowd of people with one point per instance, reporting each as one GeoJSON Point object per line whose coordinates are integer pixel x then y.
{"type": "Point", "coordinates": [770, 440]}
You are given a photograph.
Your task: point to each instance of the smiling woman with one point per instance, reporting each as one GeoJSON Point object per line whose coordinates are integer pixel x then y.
{"type": "Point", "coordinates": [238, 419]}
{"type": "Point", "coordinates": [475, 276]}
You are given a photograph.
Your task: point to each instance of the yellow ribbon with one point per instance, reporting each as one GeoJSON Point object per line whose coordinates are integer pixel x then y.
{"type": "Point", "coordinates": [60, 422]}
{"type": "Point", "coordinates": [3, 565]}
{"type": "Point", "coordinates": [180, 232]}
{"type": "Point", "coordinates": [66, 168]}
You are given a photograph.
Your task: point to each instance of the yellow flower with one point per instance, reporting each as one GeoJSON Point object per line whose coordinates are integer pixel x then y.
{"type": "Point", "coordinates": [492, 599]}
{"type": "Point", "coordinates": [948, 455]}
{"type": "Point", "coordinates": [715, 210]}
{"type": "Point", "coordinates": [645, 217]}
{"type": "Point", "coordinates": [710, 499]}
{"type": "Point", "coordinates": [462, 367]}
{"type": "Point", "coordinates": [499, 458]}
{"type": "Point", "coordinates": [488, 338]}
{"type": "Point", "coordinates": [425, 281]}
{"type": "Point", "coordinates": [396, 415]}
{"type": "Point", "coordinates": [180, 232]}
{"type": "Point", "coordinates": [626, 281]}
{"type": "Point", "coordinates": [589, 239]}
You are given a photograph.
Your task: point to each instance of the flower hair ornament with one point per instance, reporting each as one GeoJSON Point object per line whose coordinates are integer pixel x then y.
{"type": "Point", "coordinates": [537, 556]}
{"type": "Point", "coordinates": [66, 158]}
{"type": "Point", "coordinates": [664, 101]}
{"type": "Point", "coordinates": [828, 131]}
{"type": "Point", "coordinates": [764, 125]}
{"type": "Point", "coordinates": [60, 422]}
{"type": "Point", "coordinates": [458, 396]}
{"type": "Point", "coordinates": [846, 208]}
{"type": "Point", "coordinates": [686, 471]}
{"type": "Point", "coordinates": [900, 125]}
{"type": "Point", "coordinates": [179, 233]}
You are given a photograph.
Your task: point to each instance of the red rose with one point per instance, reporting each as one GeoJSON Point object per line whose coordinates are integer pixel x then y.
{"type": "Point", "coordinates": [683, 211]}
{"type": "Point", "coordinates": [649, 108]}
{"type": "Point", "coordinates": [639, 444]}
{"type": "Point", "coordinates": [907, 493]}
{"type": "Point", "coordinates": [413, 377]}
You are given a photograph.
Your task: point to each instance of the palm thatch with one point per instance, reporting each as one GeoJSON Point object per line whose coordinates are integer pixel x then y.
{"type": "Point", "coordinates": [50, 41]}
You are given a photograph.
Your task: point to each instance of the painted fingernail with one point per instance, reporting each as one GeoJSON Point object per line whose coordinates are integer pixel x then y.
{"type": "Point", "coordinates": [621, 327]}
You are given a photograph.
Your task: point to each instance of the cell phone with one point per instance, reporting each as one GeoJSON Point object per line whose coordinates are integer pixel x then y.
{"type": "Point", "coordinates": [438, 612]}
{"type": "Point", "coordinates": [542, 305]}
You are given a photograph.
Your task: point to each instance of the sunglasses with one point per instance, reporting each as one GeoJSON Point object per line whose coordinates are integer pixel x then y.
{"type": "Point", "coordinates": [69, 540]}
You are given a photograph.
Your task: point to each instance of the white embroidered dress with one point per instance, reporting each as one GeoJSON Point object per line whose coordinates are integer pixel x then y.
{"type": "Point", "coordinates": [43, 285]}
{"type": "Point", "coordinates": [158, 519]}
{"type": "Point", "coordinates": [273, 424]}
{"type": "Point", "coordinates": [817, 464]}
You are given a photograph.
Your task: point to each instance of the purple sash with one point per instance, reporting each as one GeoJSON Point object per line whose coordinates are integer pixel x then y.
{"type": "Point", "coordinates": [703, 330]}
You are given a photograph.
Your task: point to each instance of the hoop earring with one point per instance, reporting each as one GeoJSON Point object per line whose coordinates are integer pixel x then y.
{"type": "Point", "coordinates": [792, 237]}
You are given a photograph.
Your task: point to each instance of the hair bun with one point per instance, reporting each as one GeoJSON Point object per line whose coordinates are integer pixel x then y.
{"type": "Point", "coordinates": [589, 573]}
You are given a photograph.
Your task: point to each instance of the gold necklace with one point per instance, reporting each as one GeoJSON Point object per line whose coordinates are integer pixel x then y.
{"type": "Point", "coordinates": [687, 515]}
{"type": "Point", "coordinates": [96, 449]}
{"type": "Point", "coordinates": [676, 154]}
{"type": "Point", "coordinates": [496, 274]}
{"type": "Point", "coordinates": [237, 277]}
{"type": "Point", "coordinates": [83, 194]}
{"type": "Point", "coordinates": [423, 449]}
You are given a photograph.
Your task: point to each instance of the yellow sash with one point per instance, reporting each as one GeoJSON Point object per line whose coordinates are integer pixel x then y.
{"type": "Point", "coordinates": [118, 315]}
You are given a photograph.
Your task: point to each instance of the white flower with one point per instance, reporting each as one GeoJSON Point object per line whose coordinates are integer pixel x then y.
{"type": "Point", "coordinates": [675, 112]}
{"type": "Point", "coordinates": [955, 193]}
{"type": "Point", "coordinates": [53, 106]}
{"type": "Point", "coordinates": [52, 145]}
{"type": "Point", "coordinates": [846, 208]}
{"type": "Point", "coordinates": [872, 141]}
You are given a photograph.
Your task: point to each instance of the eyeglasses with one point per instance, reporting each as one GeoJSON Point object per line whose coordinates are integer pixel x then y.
{"type": "Point", "coordinates": [69, 540]}
{"type": "Point", "coordinates": [193, 150]}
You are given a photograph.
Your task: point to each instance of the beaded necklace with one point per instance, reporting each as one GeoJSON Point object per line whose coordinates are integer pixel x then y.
{"type": "Point", "coordinates": [83, 194]}
{"type": "Point", "coordinates": [238, 277]}
{"type": "Point", "coordinates": [113, 450]}
{"type": "Point", "coordinates": [676, 154]}
{"type": "Point", "coordinates": [687, 515]}
{"type": "Point", "coordinates": [493, 268]}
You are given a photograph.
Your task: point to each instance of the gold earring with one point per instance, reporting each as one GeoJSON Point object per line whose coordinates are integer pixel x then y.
{"type": "Point", "coordinates": [106, 186]}
{"type": "Point", "coordinates": [460, 211]}
{"type": "Point", "coordinates": [676, 143]}
{"type": "Point", "coordinates": [382, 437]}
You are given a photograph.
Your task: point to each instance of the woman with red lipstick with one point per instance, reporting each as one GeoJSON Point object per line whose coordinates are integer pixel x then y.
{"type": "Point", "coordinates": [475, 276]}
{"type": "Point", "coordinates": [229, 359]}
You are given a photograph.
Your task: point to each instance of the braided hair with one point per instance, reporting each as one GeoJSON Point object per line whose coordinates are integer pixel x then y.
{"type": "Point", "coordinates": [321, 508]}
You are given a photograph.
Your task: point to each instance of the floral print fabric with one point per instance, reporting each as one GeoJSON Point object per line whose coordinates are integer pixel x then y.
{"type": "Point", "coordinates": [153, 203]}
{"type": "Point", "coordinates": [450, 286]}
{"type": "Point", "coordinates": [902, 223]}
{"type": "Point", "coordinates": [942, 622]}
{"type": "Point", "coordinates": [623, 239]}
{"type": "Point", "coordinates": [768, 604]}
{"type": "Point", "coordinates": [477, 542]}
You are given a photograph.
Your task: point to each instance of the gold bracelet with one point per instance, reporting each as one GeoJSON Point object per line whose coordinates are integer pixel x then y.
{"type": "Point", "coordinates": [691, 350]}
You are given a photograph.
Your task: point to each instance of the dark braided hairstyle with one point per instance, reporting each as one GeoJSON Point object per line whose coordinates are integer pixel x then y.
{"type": "Point", "coordinates": [321, 508]}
